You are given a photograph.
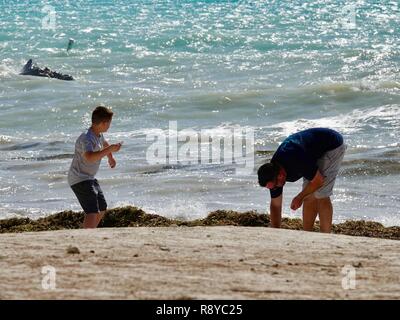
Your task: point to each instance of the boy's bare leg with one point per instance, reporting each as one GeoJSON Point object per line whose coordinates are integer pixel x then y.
{"type": "Point", "coordinates": [325, 210]}
{"type": "Point", "coordinates": [91, 220]}
{"type": "Point", "coordinates": [310, 211]}
{"type": "Point", "coordinates": [100, 217]}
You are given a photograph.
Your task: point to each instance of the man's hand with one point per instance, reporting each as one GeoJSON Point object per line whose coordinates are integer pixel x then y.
{"type": "Point", "coordinates": [297, 202]}
{"type": "Point", "coordinates": [112, 162]}
{"type": "Point", "coordinates": [316, 183]}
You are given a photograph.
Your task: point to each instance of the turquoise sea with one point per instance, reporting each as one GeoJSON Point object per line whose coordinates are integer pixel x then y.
{"type": "Point", "coordinates": [275, 67]}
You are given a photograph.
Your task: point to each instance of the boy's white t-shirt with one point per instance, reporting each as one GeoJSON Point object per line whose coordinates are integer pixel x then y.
{"type": "Point", "coordinates": [81, 169]}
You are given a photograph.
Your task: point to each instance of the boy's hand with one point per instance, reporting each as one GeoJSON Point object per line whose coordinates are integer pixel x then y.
{"type": "Point", "coordinates": [115, 147]}
{"type": "Point", "coordinates": [112, 162]}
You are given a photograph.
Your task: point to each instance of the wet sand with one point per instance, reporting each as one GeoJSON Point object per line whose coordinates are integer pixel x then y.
{"type": "Point", "coordinates": [222, 262]}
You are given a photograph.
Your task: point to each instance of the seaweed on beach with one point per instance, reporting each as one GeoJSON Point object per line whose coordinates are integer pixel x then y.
{"type": "Point", "coordinates": [367, 229]}
{"type": "Point", "coordinates": [58, 221]}
{"type": "Point", "coordinates": [135, 217]}
{"type": "Point", "coordinates": [233, 218]}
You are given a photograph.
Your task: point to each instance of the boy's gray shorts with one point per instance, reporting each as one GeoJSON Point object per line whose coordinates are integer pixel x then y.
{"type": "Point", "coordinates": [328, 165]}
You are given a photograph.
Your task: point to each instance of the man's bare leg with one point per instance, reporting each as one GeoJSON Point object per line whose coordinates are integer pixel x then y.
{"type": "Point", "coordinates": [325, 210]}
{"type": "Point", "coordinates": [91, 220]}
{"type": "Point", "coordinates": [100, 217]}
{"type": "Point", "coordinates": [310, 211]}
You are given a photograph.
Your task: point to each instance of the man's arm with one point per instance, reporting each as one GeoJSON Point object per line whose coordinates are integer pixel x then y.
{"type": "Point", "coordinates": [276, 211]}
{"type": "Point", "coordinates": [313, 186]}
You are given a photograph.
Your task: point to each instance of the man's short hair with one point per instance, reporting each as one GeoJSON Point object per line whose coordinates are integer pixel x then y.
{"type": "Point", "coordinates": [101, 114]}
{"type": "Point", "coordinates": [267, 172]}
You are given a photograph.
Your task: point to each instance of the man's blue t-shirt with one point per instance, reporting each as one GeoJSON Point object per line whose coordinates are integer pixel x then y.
{"type": "Point", "coordinates": [298, 154]}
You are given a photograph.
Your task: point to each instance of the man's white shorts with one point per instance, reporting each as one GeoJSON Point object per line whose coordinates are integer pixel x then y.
{"type": "Point", "coordinates": [328, 165]}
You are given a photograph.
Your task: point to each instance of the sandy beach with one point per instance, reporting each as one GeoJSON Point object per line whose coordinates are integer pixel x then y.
{"type": "Point", "coordinates": [225, 262]}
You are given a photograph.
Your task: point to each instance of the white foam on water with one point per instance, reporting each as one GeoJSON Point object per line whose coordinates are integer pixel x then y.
{"type": "Point", "coordinates": [5, 139]}
{"type": "Point", "coordinates": [178, 208]}
{"type": "Point", "coordinates": [6, 70]}
{"type": "Point", "coordinates": [350, 123]}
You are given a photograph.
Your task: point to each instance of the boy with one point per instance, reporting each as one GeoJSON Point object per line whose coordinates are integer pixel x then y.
{"type": "Point", "coordinates": [90, 148]}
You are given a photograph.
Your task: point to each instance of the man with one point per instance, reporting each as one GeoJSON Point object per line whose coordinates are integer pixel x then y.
{"type": "Point", "coordinates": [316, 155]}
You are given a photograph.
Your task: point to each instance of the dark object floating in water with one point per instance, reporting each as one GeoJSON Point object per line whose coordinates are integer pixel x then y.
{"type": "Point", "coordinates": [70, 44]}
{"type": "Point", "coordinates": [30, 70]}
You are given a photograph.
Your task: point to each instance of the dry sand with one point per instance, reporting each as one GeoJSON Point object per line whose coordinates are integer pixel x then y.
{"type": "Point", "coordinates": [197, 263]}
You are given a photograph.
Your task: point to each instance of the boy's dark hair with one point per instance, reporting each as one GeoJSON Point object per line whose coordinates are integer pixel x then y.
{"type": "Point", "coordinates": [101, 114]}
{"type": "Point", "coordinates": [267, 172]}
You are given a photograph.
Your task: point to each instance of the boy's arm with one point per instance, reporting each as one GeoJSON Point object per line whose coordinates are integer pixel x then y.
{"type": "Point", "coordinates": [93, 156]}
{"type": "Point", "coordinates": [276, 211]}
{"type": "Point", "coordinates": [106, 145]}
{"type": "Point", "coordinates": [111, 161]}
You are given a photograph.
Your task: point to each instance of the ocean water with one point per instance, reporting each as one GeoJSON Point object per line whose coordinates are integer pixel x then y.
{"type": "Point", "coordinates": [274, 67]}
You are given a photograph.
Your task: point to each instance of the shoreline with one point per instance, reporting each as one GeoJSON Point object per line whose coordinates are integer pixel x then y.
{"type": "Point", "coordinates": [134, 217]}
